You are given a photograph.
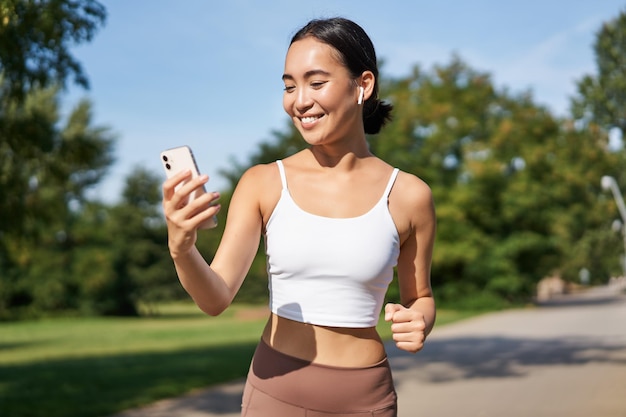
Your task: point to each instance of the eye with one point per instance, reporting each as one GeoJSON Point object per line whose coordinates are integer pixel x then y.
{"type": "Point", "coordinates": [316, 85]}
{"type": "Point", "coordinates": [289, 88]}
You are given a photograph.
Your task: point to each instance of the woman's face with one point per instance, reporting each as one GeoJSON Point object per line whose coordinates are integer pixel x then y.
{"type": "Point", "coordinates": [320, 94]}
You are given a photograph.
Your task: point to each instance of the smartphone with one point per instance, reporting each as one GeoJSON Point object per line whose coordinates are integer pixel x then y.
{"type": "Point", "coordinates": [179, 159]}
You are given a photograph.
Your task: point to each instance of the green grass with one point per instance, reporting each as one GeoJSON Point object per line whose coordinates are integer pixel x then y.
{"type": "Point", "coordinates": [94, 367]}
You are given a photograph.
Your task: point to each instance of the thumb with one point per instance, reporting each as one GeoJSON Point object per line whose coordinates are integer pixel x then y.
{"type": "Point", "coordinates": [390, 309]}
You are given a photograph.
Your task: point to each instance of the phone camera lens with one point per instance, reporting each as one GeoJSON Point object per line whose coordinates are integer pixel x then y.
{"type": "Point", "coordinates": [164, 158]}
{"type": "Point", "coordinates": [168, 166]}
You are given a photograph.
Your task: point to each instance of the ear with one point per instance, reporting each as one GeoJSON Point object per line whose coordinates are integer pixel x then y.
{"type": "Point", "coordinates": [367, 81]}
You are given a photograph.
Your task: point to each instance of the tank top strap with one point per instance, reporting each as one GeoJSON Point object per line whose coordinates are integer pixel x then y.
{"type": "Point", "coordinates": [392, 180]}
{"type": "Point", "coordinates": [283, 177]}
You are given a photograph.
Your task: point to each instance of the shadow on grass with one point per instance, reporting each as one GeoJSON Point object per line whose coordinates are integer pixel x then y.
{"type": "Point", "coordinates": [101, 386]}
{"type": "Point", "coordinates": [15, 345]}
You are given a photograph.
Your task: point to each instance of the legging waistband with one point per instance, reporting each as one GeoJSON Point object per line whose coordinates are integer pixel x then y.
{"type": "Point", "coordinates": [321, 387]}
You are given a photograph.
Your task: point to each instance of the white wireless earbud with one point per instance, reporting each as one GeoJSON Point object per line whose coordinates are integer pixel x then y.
{"type": "Point", "coordinates": [360, 100]}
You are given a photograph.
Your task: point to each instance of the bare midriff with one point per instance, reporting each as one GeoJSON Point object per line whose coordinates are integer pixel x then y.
{"type": "Point", "coordinates": [333, 346]}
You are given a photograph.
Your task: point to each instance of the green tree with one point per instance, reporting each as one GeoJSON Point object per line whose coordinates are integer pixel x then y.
{"type": "Point", "coordinates": [134, 254]}
{"type": "Point", "coordinates": [602, 97]}
{"type": "Point", "coordinates": [35, 38]}
{"type": "Point", "coordinates": [45, 169]}
{"type": "Point", "coordinates": [601, 104]}
{"type": "Point", "coordinates": [516, 188]}
{"type": "Point", "coordinates": [47, 191]}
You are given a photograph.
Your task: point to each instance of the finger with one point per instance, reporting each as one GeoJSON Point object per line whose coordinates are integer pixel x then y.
{"type": "Point", "coordinates": [411, 347]}
{"type": "Point", "coordinates": [205, 205]}
{"type": "Point", "coordinates": [184, 189]}
{"type": "Point", "coordinates": [412, 341]}
{"type": "Point", "coordinates": [408, 327]}
{"type": "Point", "coordinates": [215, 196]}
{"type": "Point", "coordinates": [169, 186]}
{"type": "Point", "coordinates": [395, 312]}
{"type": "Point", "coordinates": [405, 315]}
{"type": "Point", "coordinates": [192, 185]}
{"type": "Point", "coordinates": [390, 310]}
{"type": "Point", "coordinates": [205, 216]}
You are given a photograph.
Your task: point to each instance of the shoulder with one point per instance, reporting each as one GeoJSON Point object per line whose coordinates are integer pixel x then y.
{"type": "Point", "coordinates": [260, 172]}
{"type": "Point", "coordinates": [260, 177]}
{"type": "Point", "coordinates": [261, 184]}
{"type": "Point", "coordinates": [411, 204]}
{"type": "Point", "coordinates": [411, 190]}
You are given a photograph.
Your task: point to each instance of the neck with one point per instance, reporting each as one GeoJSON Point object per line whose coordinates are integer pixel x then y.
{"type": "Point", "coordinates": [334, 155]}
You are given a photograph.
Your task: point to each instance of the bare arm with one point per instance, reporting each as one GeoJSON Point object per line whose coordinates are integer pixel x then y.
{"type": "Point", "coordinates": [214, 286]}
{"type": "Point", "coordinates": [414, 318]}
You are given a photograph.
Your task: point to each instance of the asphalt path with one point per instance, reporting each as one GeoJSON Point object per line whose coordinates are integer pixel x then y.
{"type": "Point", "coordinates": [566, 357]}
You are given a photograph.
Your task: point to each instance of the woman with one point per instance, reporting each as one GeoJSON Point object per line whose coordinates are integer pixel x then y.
{"type": "Point", "coordinates": [336, 221]}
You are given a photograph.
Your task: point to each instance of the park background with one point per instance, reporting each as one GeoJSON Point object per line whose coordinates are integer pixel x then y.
{"type": "Point", "coordinates": [512, 113]}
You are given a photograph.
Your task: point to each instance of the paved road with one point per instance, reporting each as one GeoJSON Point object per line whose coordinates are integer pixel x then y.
{"type": "Point", "coordinates": [565, 358]}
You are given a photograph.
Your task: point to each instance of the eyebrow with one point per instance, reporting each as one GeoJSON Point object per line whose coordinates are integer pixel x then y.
{"type": "Point", "coordinates": [307, 74]}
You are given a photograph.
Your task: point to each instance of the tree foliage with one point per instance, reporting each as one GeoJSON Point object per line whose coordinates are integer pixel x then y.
{"type": "Point", "coordinates": [601, 102]}
{"type": "Point", "coordinates": [35, 38]}
{"type": "Point", "coordinates": [140, 270]}
{"type": "Point", "coordinates": [46, 164]}
{"type": "Point", "coordinates": [602, 97]}
{"type": "Point", "coordinates": [34, 61]}
{"type": "Point", "coordinates": [517, 189]}
{"type": "Point", "coordinates": [45, 191]}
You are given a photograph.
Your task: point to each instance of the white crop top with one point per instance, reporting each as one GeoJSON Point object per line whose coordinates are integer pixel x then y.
{"type": "Point", "coordinates": [330, 271]}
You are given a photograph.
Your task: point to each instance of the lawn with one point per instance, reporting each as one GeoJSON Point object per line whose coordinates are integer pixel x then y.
{"type": "Point", "coordinates": [94, 367]}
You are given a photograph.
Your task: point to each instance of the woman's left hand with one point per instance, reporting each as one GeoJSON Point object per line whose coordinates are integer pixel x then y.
{"type": "Point", "coordinates": [408, 327]}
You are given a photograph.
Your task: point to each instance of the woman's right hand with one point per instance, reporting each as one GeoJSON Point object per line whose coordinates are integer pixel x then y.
{"type": "Point", "coordinates": [183, 218]}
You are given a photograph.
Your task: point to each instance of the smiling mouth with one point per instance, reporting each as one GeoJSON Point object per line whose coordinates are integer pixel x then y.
{"type": "Point", "coordinates": [310, 119]}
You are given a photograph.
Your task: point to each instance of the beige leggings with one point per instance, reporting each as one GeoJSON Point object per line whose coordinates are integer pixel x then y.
{"type": "Point", "coordinates": [280, 385]}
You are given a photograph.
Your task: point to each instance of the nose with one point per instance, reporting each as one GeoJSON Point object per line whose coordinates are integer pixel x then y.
{"type": "Point", "coordinates": [303, 100]}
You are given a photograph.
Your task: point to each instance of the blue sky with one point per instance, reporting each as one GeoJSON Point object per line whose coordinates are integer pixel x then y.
{"type": "Point", "coordinates": [208, 73]}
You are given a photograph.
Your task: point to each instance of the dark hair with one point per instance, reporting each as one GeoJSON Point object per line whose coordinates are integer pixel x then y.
{"type": "Point", "coordinates": [355, 51]}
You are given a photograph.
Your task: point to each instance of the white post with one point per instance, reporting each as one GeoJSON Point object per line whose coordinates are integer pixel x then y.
{"type": "Point", "coordinates": [610, 183]}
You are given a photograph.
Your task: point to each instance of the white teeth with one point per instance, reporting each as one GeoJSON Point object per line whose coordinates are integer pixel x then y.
{"type": "Point", "coordinates": [308, 119]}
